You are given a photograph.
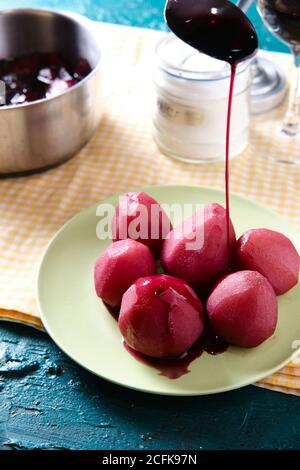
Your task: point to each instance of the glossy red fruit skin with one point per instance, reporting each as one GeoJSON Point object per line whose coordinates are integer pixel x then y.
{"type": "Point", "coordinates": [272, 254]}
{"type": "Point", "coordinates": [161, 316]}
{"type": "Point", "coordinates": [118, 267]}
{"type": "Point", "coordinates": [200, 268]}
{"type": "Point", "coordinates": [242, 309]}
{"type": "Point", "coordinates": [131, 203]}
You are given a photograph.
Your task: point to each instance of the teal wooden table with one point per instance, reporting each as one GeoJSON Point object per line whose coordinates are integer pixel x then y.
{"type": "Point", "coordinates": [48, 402]}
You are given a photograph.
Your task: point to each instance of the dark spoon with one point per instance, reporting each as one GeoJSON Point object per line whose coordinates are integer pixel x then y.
{"type": "Point", "coordinates": [217, 28]}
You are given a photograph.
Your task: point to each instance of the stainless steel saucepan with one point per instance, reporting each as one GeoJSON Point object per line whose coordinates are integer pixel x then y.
{"type": "Point", "coordinates": [44, 133]}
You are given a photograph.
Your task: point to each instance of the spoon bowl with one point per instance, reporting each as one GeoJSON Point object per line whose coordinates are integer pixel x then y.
{"type": "Point", "coordinates": [217, 28]}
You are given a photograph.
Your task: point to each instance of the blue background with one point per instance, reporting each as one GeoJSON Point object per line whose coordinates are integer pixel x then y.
{"type": "Point", "coordinates": [48, 402]}
{"type": "Point", "coordinates": [143, 13]}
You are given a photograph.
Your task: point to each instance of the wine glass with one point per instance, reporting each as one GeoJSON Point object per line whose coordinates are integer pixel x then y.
{"type": "Point", "coordinates": [268, 85]}
{"type": "Point", "coordinates": [282, 17]}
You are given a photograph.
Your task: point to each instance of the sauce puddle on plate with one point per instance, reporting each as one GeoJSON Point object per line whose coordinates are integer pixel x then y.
{"type": "Point", "coordinates": [174, 368]}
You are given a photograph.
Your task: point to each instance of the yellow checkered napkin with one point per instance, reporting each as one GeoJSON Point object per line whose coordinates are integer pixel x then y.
{"type": "Point", "coordinates": [123, 155]}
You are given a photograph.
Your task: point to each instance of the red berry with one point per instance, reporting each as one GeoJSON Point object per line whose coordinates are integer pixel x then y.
{"type": "Point", "coordinates": [82, 69]}
{"type": "Point", "coordinates": [51, 59]}
{"type": "Point", "coordinates": [25, 66]}
{"type": "Point", "coordinates": [71, 83]}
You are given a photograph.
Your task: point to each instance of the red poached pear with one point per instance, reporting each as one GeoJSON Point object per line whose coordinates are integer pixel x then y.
{"type": "Point", "coordinates": [161, 316]}
{"type": "Point", "coordinates": [203, 265]}
{"type": "Point", "coordinates": [140, 217]}
{"type": "Point", "coordinates": [242, 309]}
{"type": "Point", "coordinates": [271, 254]}
{"type": "Point", "coordinates": [120, 265]}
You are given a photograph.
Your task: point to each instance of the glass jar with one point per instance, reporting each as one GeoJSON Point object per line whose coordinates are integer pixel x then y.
{"type": "Point", "coordinates": [191, 104]}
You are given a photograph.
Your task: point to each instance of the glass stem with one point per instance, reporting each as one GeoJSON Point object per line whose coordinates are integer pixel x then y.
{"type": "Point", "coordinates": [291, 122]}
{"type": "Point", "coordinates": [256, 72]}
{"type": "Point", "coordinates": [244, 4]}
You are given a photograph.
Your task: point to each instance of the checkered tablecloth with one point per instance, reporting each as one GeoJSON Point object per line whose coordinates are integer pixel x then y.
{"type": "Point", "coordinates": [120, 156]}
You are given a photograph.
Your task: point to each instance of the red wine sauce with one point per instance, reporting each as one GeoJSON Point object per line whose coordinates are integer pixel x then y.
{"type": "Point", "coordinates": [217, 28]}
{"type": "Point", "coordinates": [171, 367]}
{"type": "Point", "coordinates": [221, 30]}
{"type": "Point", "coordinates": [227, 182]}
{"type": "Point", "coordinates": [283, 18]}
{"type": "Point", "coordinates": [114, 311]}
{"type": "Point", "coordinates": [174, 368]}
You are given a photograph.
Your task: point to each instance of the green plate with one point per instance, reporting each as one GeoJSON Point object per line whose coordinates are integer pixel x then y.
{"type": "Point", "coordinates": [78, 322]}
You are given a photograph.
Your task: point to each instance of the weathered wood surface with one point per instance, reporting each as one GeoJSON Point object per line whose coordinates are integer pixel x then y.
{"type": "Point", "coordinates": [48, 402]}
